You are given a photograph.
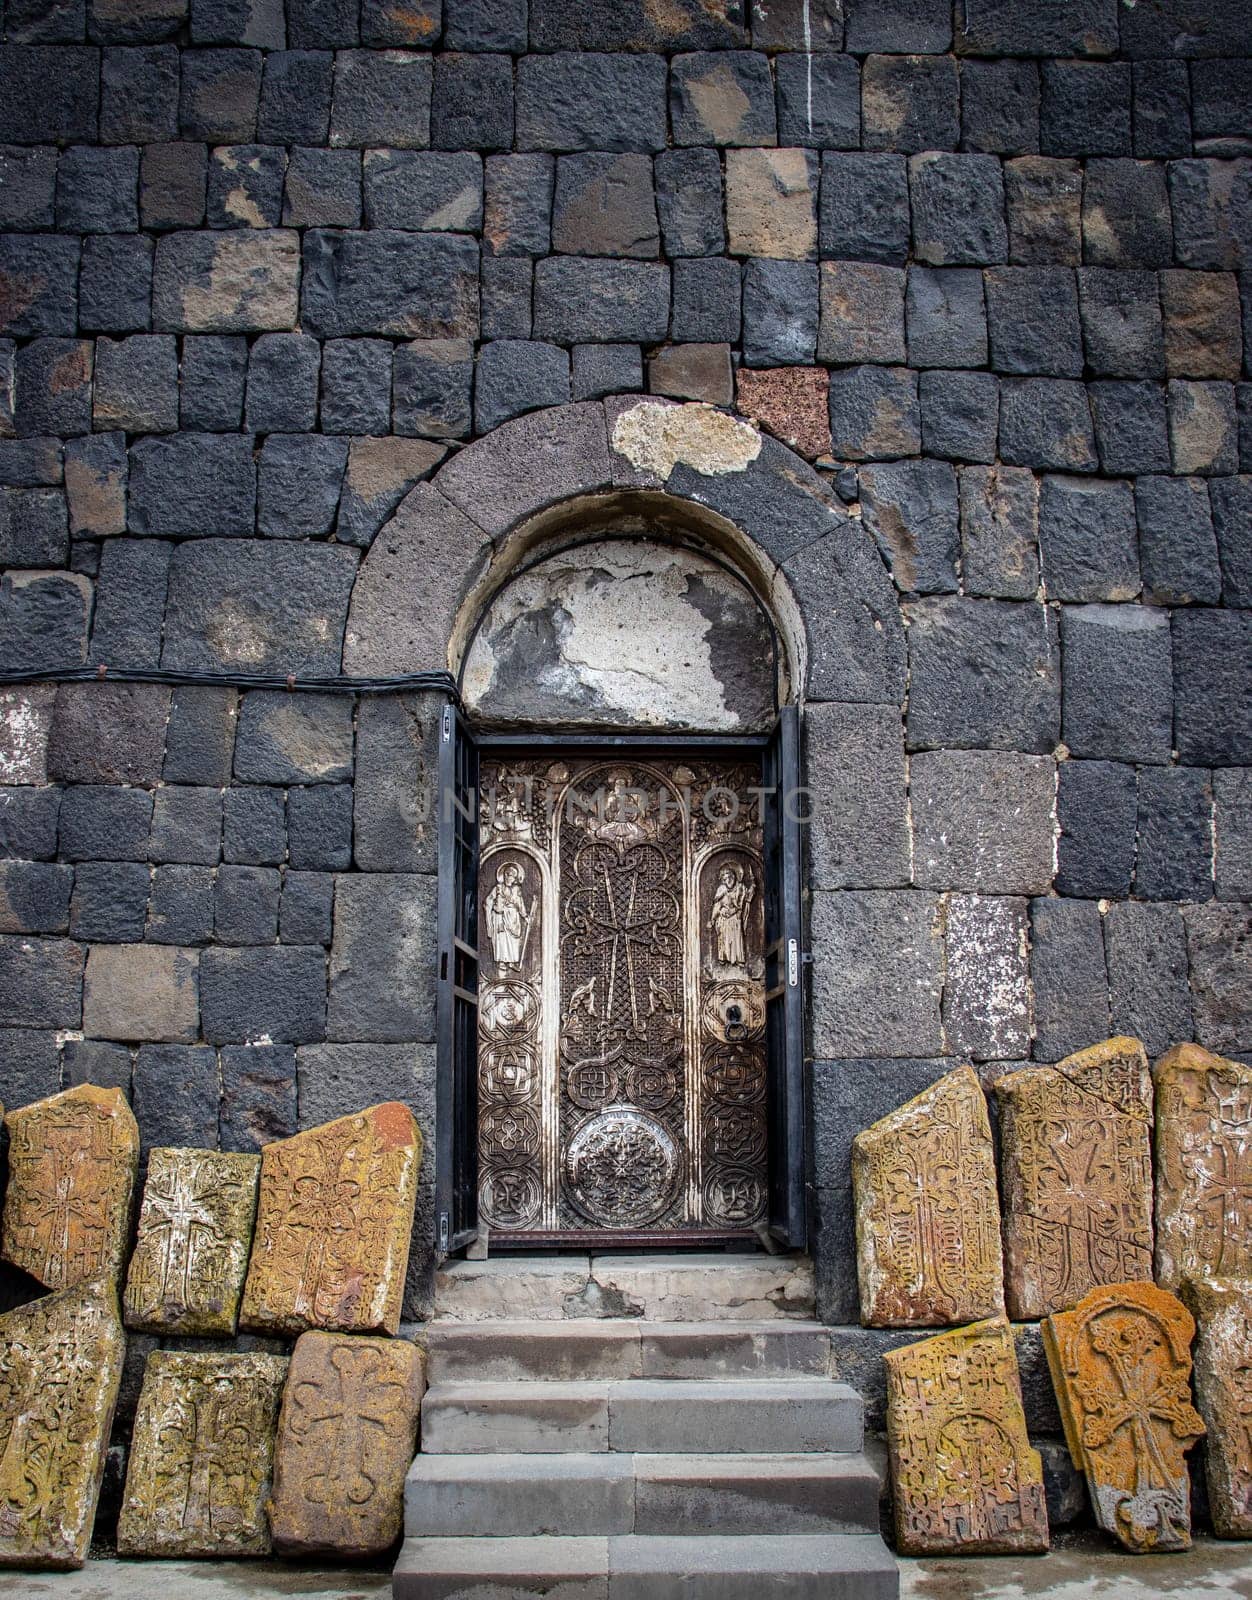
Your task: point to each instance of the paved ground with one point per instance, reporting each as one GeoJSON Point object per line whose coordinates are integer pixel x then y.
{"type": "Point", "coordinates": [1081, 1567]}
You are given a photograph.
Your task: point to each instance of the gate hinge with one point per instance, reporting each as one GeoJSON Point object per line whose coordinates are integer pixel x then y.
{"type": "Point", "coordinates": [447, 723]}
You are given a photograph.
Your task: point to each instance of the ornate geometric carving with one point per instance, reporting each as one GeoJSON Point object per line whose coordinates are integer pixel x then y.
{"type": "Point", "coordinates": [333, 1224]}
{"type": "Point", "coordinates": [1203, 1167]}
{"type": "Point", "coordinates": [621, 1168]}
{"type": "Point", "coordinates": [346, 1435]}
{"type": "Point", "coordinates": [201, 1455]}
{"type": "Point", "coordinates": [964, 1475]}
{"type": "Point", "coordinates": [72, 1165]}
{"type": "Point", "coordinates": [195, 1228]}
{"type": "Point", "coordinates": [1077, 1176]}
{"type": "Point", "coordinates": [1222, 1308]}
{"type": "Point", "coordinates": [60, 1369]}
{"type": "Point", "coordinates": [927, 1215]}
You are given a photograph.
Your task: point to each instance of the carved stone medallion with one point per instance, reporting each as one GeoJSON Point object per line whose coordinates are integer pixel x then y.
{"type": "Point", "coordinates": [962, 1469]}
{"type": "Point", "coordinates": [1121, 1368]}
{"type": "Point", "coordinates": [1222, 1308]}
{"type": "Point", "coordinates": [621, 1168]}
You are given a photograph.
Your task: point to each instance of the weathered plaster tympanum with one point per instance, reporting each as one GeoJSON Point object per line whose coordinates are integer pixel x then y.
{"type": "Point", "coordinates": [72, 1165]}
{"type": "Point", "coordinates": [1121, 1367]}
{"type": "Point", "coordinates": [1222, 1308]}
{"type": "Point", "coordinates": [60, 1368]}
{"type": "Point", "coordinates": [201, 1455]}
{"type": "Point", "coordinates": [334, 1219]}
{"type": "Point", "coordinates": [964, 1474]}
{"type": "Point", "coordinates": [927, 1216]}
{"type": "Point", "coordinates": [1076, 1176]}
{"type": "Point", "coordinates": [346, 1436]}
{"type": "Point", "coordinates": [1203, 1166]}
{"type": "Point", "coordinates": [195, 1227]}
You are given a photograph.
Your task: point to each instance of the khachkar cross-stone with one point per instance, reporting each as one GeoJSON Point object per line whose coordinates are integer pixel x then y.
{"type": "Point", "coordinates": [1222, 1308]}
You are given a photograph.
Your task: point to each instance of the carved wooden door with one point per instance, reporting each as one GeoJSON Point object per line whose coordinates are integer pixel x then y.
{"type": "Point", "coordinates": [621, 1031]}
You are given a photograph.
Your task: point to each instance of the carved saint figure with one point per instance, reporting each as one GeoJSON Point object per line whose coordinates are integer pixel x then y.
{"type": "Point", "coordinates": [729, 917]}
{"type": "Point", "coordinates": [508, 917]}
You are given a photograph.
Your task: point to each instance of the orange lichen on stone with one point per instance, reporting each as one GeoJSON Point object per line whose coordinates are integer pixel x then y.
{"type": "Point", "coordinates": [333, 1226]}
{"type": "Point", "coordinates": [1076, 1175]}
{"type": "Point", "coordinates": [1222, 1308]}
{"type": "Point", "coordinates": [1121, 1368]}
{"type": "Point", "coordinates": [792, 403]}
{"type": "Point", "coordinates": [927, 1215]}
{"type": "Point", "coordinates": [1203, 1167]}
{"type": "Point", "coordinates": [72, 1165]}
{"type": "Point", "coordinates": [964, 1474]}
{"type": "Point", "coordinates": [346, 1437]}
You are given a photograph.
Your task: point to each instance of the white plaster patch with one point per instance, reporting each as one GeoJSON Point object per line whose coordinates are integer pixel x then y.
{"type": "Point", "coordinates": [656, 438]}
{"type": "Point", "coordinates": [25, 718]}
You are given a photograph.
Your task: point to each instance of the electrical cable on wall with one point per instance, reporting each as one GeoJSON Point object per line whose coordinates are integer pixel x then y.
{"type": "Point", "coordinates": [437, 682]}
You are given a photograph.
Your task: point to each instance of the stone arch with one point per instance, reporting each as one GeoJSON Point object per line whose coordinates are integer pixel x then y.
{"type": "Point", "coordinates": [687, 468]}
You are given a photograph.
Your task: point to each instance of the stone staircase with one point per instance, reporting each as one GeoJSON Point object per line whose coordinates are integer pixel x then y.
{"type": "Point", "coordinates": [615, 1445]}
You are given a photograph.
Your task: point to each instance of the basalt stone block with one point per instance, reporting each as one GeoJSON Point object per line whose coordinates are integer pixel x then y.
{"type": "Point", "coordinates": [689, 201]}
{"type": "Point", "coordinates": [518, 375]}
{"type": "Point", "coordinates": [416, 286]}
{"type": "Point", "coordinates": [245, 905]}
{"type": "Point", "coordinates": [932, 1386]}
{"type": "Point", "coordinates": [381, 97]}
{"type": "Point", "coordinates": [275, 606]}
{"type": "Point", "coordinates": [874, 415]}
{"type": "Point", "coordinates": [115, 283]}
{"type": "Point", "coordinates": [279, 990]}
{"type": "Point", "coordinates": [110, 906]}
{"type": "Point", "coordinates": [323, 24]}
{"type": "Point", "coordinates": [353, 1280]}
{"type": "Point", "coordinates": [432, 380]}
{"type": "Point", "coordinates": [64, 1354]}
{"type": "Point", "coordinates": [319, 826]}
{"type": "Point", "coordinates": [380, 473]}
{"type": "Point", "coordinates": [1046, 423]}
{"type": "Point", "coordinates": [255, 828]}
{"type": "Point", "coordinates": [960, 415]}
{"type": "Point", "coordinates": [577, 300]}
{"type": "Point", "coordinates": [984, 674]}
{"type": "Point", "coordinates": [1211, 203]}
{"type": "Point", "coordinates": [999, 532]}
{"type": "Point", "coordinates": [1044, 200]}
{"type": "Point", "coordinates": [172, 183]}
{"type": "Point", "coordinates": [1097, 814]}
{"type": "Point", "coordinates": [333, 1078]}
{"type": "Point", "coordinates": [986, 997]}
{"type": "Point", "coordinates": [97, 190]}
{"type": "Point", "coordinates": [1084, 1354]}
{"type": "Point", "coordinates": [220, 91]}
{"type": "Point", "coordinates": [792, 403]}
{"type": "Point", "coordinates": [508, 292]}
{"type": "Point", "coordinates": [355, 1397]}
{"type": "Point", "coordinates": [909, 103]}
{"type": "Point", "coordinates": [24, 462]}
{"type": "Point", "coordinates": [1131, 426]}
{"type": "Point", "coordinates": [299, 482]}
{"type": "Point", "coordinates": [1175, 855]}
{"type": "Point", "coordinates": [1085, 109]}
{"type": "Point", "coordinates": [1125, 215]}
{"type": "Point", "coordinates": [356, 386]}
{"type": "Point", "coordinates": [52, 387]}
{"type": "Point", "coordinates": [780, 311]}
{"type": "Point", "coordinates": [108, 733]}
{"type": "Point", "coordinates": [295, 97]}
{"type": "Point", "coordinates": [1232, 522]}
{"type": "Point", "coordinates": [34, 897]}
{"type": "Point", "coordinates": [591, 101]}
{"type": "Point", "coordinates": [422, 190]}
{"type": "Point", "coordinates": [136, 384]}
{"type": "Point", "coordinates": [31, 1063]}
{"type": "Point", "coordinates": [282, 383]}
{"type": "Point", "coordinates": [864, 213]}
{"type": "Point", "coordinates": [180, 909]}
{"type": "Point", "coordinates": [898, 26]}
{"type": "Point", "coordinates": [909, 509]}
{"type": "Point", "coordinates": [1221, 104]}
{"type": "Point", "coordinates": [862, 313]}
{"type": "Point", "coordinates": [1068, 975]}
{"type": "Point", "coordinates": [41, 982]}
{"type": "Point", "coordinates": [379, 984]}
{"type": "Point", "coordinates": [722, 98]}
{"type": "Point", "coordinates": [1032, 321]}
{"type": "Point", "coordinates": [43, 620]}
{"type": "Point", "coordinates": [687, 25]}
{"type": "Point", "coordinates": [27, 198]}
{"type": "Point", "coordinates": [1178, 549]}
{"type": "Point", "coordinates": [1161, 109]}
{"type": "Point", "coordinates": [859, 838]}
{"type": "Point", "coordinates": [245, 186]}
{"type": "Point", "coordinates": [200, 735]}
{"type": "Point", "coordinates": [693, 372]}
{"type": "Point", "coordinates": [25, 723]}
{"type": "Point", "coordinates": [258, 1095]}
{"type": "Point", "coordinates": [104, 823]}
{"type": "Point", "coordinates": [238, 282]}
{"type": "Point", "coordinates": [1202, 325]}
{"type": "Point", "coordinates": [877, 976]}
{"type": "Point", "coordinates": [193, 484]}
{"type": "Point", "coordinates": [1036, 28]}
{"type": "Point", "coordinates": [1203, 427]}
{"type": "Point", "coordinates": [1121, 323]}
{"type": "Point", "coordinates": [1217, 946]}
{"type": "Point", "coordinates": [947, 321]}
{"type": "Point", "coordinates": [1000, 107]}
{"type": "Point", "coordinates": [983, 820]}
{"type": "Point", "coordinates": [395, 821]}
{"type": "Point", "coordinates": [605, 206]}
{"type": "Point", "coordinates": [518, 204]}
{"type": "Point", "coordinates": [212, 379]}
{"type": "Point", "coordinates": [294, 738]}
{"type": "Point", "coordinates": [49, 94]}
{"type": "Point", "coordinates": [323, 189]}
{"type": "Point", "coordinates": [903, 1280]}
{"type": "Point", "coordinates": [234, 1400]}
{"type": "Point", "coordinates": [1087, 539]}
{"type": "Point", "coordinates": [957, 206]}
{"type": "Point", "coordinates": [819, 100]}
{"type": "Point", "coordinates": [81, 1147]}
{"type": "Point", "coordinates": [141, 991]}
{"type": "Point", "coordinates": [706, 300]}
{"type": "Point", "coordinates": [305, 911]}
{"type": "Point", "coordinates": [486, 25]}
{"type": "Point", "coordinates": [1176, 27]}
{"type": "Point", "coordinates": [34, 528]}
{"type": "Point", "coordinates": [472, 108]}
{"type": "Point", "coordinates": [195, 1228]}
{"type": "Point", "coordinates": [94, 1061]}
{"type": "Point", "coordinates": [771, 203]}
{"type": "Point", "coordinates": [186, 824]}
{"type": "Point", "coordinates": [254, 22]}
{"type": "Point", "coordinates": [1065, 1234]}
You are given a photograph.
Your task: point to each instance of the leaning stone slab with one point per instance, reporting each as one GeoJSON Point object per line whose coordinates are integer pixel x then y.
{"type": "Point", "coordinates": [1203, 1167]}
{"type": "Point", "coordinates": [1121, 1367]}
{"type": "Point", "coordinates": [60, 1369]}
{"type": "Point", "coordinates": [72, 1165]}
{"type": "Point", "coordinates": [1222, 1308]}
{"type": "Point", "coordinates": [346, 1437]}
{"type": "Point", "coordinates": [333, 1225]}
{"type": "Point", "coordinates": [195, 1229]}
{"type": "Point", "coordinates": [201, 1456]}
{"type": "Point", "coordinates": [927, 1215]}
{"type": "Point", "coordinates": [1076, 1176]}
{"type": "Point", "coordinates": [964, 1473]}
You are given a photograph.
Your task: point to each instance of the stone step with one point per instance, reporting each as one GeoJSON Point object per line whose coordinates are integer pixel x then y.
{"type": "Point", "coordinates": [665, 1415]}
{"type": "Point", "coordinates": [521, 1495]}
{"type": "Point", "coordinates": [644, 1567]}
{"type": "Point", "coordinates": [613, 1349]}
{"type": "Point", "coordinates": [654, 1288]}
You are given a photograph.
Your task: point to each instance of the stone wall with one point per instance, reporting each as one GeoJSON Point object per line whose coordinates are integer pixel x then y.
{"type": "Point", "coordinates": [988, 267]}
